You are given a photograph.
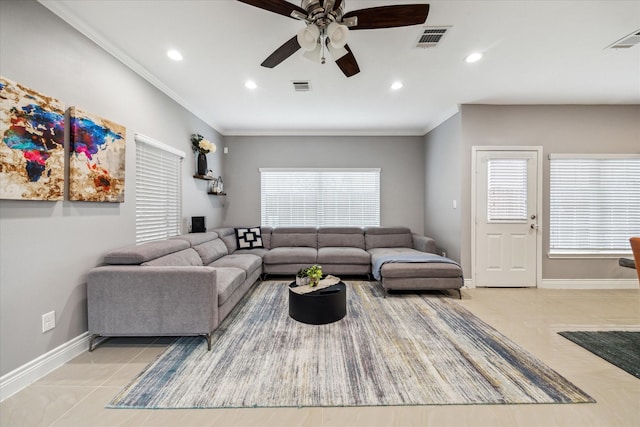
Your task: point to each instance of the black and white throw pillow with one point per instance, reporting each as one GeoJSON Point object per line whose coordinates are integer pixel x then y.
{"type": "Point", "coordinates": [249, 238]}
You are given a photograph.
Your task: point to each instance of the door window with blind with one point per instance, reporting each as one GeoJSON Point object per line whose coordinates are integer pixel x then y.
{"type": "Point", "coordinates": [320, 197]}
{"type": "Point", "coordinates": [594, 203]}
{"type": "Point", "coordinates": [158, 190]}
{"type": "Point", "coordinates": [507, 190]}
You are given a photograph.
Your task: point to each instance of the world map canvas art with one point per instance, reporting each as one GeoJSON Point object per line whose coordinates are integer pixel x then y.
{"type": "Point", "coordinates": [31, 144]}
{"type": "Point", "coordinates": [97, 158]}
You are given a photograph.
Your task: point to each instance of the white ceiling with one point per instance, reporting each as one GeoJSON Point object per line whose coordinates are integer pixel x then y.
{"type": "Point", "coordinates": [535, 52]}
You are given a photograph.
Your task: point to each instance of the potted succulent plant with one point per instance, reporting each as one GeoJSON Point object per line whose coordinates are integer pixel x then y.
{"type": "Point", "coordinates": [309, 276]}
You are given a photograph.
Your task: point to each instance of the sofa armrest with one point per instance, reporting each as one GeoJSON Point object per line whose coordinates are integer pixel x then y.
{"type": "Point", "coordinates": [146, 300]}
{"type": "Point", "coordinates": [423, 243]}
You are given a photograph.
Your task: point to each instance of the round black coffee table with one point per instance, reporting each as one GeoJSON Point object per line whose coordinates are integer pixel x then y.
{"type": "Point", "coordinates": [319, 307]}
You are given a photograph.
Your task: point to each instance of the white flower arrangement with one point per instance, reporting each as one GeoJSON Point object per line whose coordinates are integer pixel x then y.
{"type": "Point", "coordinates": [201, 145]}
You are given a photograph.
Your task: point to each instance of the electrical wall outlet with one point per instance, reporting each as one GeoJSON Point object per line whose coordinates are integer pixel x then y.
{"type": "Point", "coordinates": [48, 321]}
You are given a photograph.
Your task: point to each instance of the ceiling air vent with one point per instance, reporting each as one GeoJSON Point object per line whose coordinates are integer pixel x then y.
{"type": "Point", "coordinates": [301, 86]}
{"type": "Point", "coordinates": [431, 36]}
{"type": "Point", "coordinates": [627, 41]}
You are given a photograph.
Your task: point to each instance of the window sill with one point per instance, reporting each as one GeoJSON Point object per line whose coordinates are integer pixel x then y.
{"type": "Point", "coordinates": [579, 255]}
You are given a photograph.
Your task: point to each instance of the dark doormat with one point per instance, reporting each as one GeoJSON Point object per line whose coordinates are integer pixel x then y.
{"type": "Point", "coordinates": [620, 348]}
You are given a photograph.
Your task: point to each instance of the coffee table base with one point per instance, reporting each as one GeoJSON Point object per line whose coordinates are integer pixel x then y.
{"type": "Point", "coordinates": [327, 305]}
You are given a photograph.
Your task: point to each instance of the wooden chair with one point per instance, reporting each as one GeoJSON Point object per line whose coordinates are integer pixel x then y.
{"type": "Point", "coordinates": [635, 248]}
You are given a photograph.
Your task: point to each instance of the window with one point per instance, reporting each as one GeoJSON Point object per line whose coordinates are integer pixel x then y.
{"type": "Point", "coordinates": [315, 197]}
{"type": "Point", "coordinates": [507, 190]}
{"type": "Point", "coordinates": [594, 203]}
{"type": "Point", "coordinates": [158, 190]}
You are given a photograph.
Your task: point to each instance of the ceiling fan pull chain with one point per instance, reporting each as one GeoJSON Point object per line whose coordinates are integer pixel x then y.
{"type": "Point", "coordinates": [323, 40]}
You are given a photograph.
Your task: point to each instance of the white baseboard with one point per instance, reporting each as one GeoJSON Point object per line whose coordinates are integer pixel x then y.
{"type": "Point", "coordinates": [30, 372]}
{"type": "Point", "coordinates": [579, 284]}
{"type": "Point", "coordinates": [589, 284]}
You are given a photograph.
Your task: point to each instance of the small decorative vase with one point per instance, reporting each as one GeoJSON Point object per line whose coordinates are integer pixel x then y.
{"type": "Point", "coordinates": [302, 281]}
{"type": "Point", "coordinates": [202, 164]}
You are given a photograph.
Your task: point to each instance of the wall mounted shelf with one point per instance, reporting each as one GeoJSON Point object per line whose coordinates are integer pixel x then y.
{"type": "Point", "coordinates": [204, 177]}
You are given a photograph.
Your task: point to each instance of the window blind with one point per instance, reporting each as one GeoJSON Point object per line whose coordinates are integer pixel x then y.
{"type": "Point", "coordinates": [594, 203]}
{"type": "Point", "coordinates": [507, 190]}
{"type": "Point", "coordinates": [320, 197]}
{"type": "Point", "coordinates": [158, 190]}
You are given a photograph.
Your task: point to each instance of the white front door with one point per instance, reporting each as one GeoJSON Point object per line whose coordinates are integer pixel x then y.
{"type": "Point", "coordinates": [506, 218]}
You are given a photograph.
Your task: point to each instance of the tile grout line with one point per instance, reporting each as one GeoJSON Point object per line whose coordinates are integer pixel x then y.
{"type": "Point", "coordinates": [102, 384]}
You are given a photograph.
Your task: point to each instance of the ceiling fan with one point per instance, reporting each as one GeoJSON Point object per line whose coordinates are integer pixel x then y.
{"type": "Point", "coordinates": [328, 27]}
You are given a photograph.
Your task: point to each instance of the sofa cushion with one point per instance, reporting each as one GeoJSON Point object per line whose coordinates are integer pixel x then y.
{"type": "Point", "coordinates": [381, 252]}
{"type": "Point", "coordinates": [230, 242]}
{"type": "Point", "coordinates": [294, 237]}
{"type": "Point", "coordinates": [137, 254]}
{"type": "Point", "coordinates": [228, 279]}
{"type": "Point", "coordinates": [387, 237]}
{"type": "Point", "coordinates": [341, 236]}
{"type": "Point", "coordinates": [291, 256]}
{"type": "Point", "coordinates": [413, 269]}
{"type": "Point", "coordinates": [343, 256]}
{"type": "Point", "coordinates": [186, 257]}
{"type": "Point", "coordinates": [426, 270]}
{"type": "Point", "coordinates": [257, 252]}
{"type": "Point", "coordinates": [211, 251]}
{"type": "Point", "coordinates": [197, 238]}
{"type": "Point", "coordinates": [249, 263]}
{"type": "Point", "coordinates": [249, 238]}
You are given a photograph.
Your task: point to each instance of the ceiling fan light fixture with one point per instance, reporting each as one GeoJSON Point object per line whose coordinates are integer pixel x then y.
{"type": "Point", "coordinates": [314, 55]}
{"type": "Point", "coordinates": [337, 34]}
{"type": "Point", "coordinates": [336, 52]}
{"type": "Point", "coordinates": [308, 37]}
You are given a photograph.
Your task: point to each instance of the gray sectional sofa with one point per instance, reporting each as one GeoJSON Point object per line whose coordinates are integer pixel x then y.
{"type": "Point", "coordinates": [188, 284]}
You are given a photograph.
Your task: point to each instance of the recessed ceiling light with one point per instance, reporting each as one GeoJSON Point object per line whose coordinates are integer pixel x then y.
{"type": "Point", "coordinates": [474, 57]}
{"type": "Point", "coordinates": [250, 84]}
{"type": "Point", "coordinates": [396, 85]}
{"type": "Point", "coordinates": [175, 55]}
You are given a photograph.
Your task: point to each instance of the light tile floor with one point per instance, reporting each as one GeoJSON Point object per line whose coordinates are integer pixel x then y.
{"type": "Point", "coordinates": [76, 393]}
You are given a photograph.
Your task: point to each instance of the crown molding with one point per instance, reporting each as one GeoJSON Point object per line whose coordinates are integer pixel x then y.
{"type": "Point", "coordinates": [66, 14]}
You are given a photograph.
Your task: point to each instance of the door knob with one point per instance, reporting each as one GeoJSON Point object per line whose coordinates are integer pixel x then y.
{"type": "Point", "coordinates": [533, 216]}
{"type": "Point", "coordinates": [533, 226]}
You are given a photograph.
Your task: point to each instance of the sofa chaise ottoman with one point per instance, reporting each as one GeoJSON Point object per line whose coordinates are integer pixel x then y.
{"type": "Point", "coordinates": [402, 260]}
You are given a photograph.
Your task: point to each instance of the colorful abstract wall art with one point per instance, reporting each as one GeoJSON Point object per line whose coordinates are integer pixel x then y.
{"type": "Point", "coordinates": [31, 144]}
{"type": "Point", "coordinates": [97, 158]}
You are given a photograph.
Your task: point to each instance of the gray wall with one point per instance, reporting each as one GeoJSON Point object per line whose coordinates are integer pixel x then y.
{"type": "Point", "coordinates": [46, 248]}
{"type": "Point", "coordinates": [442, 186]}
{"type": "Point", "coordinates": [401, 160]}
{"type": "Point", "coordinates": [558, 129]}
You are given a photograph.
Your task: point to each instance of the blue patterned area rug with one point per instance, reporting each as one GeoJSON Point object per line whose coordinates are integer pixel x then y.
{"type": "Point", "coordinates": [410, 349]}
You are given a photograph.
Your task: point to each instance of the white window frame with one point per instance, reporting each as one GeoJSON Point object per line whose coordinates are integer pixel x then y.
{"type": "Point", "coordinates": [158, 190]}
{"type": "Point", "coordinates": [314, 199]}
{"type": "Point", "coordinates": [575, 205]}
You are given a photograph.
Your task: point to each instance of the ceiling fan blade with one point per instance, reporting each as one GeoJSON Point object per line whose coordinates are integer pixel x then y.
{"type": "Point", "coordinates": [348, 63]}
{"type": "Point", "coordinates": [283, 52]}
{"type": "Point", "coordinates": [281, 7]}
{"type": "Point", "coordinates": [389, 16]}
